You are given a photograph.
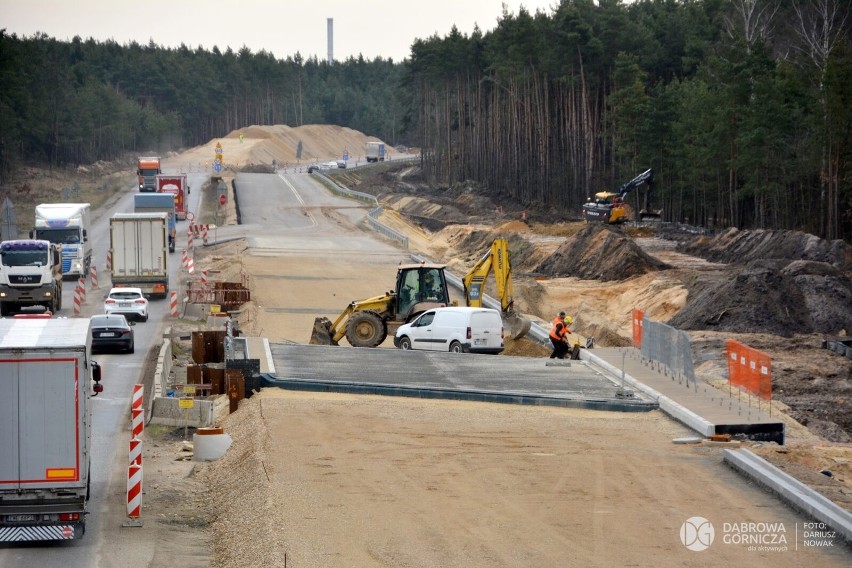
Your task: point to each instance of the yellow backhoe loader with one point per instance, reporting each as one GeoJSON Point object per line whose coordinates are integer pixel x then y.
{"type": "Point", "coordinates": [420, 287]}
{"type": "Point", "coordinates": [366, 323]}
{"type": "Point", "coordinates": [496, 260]}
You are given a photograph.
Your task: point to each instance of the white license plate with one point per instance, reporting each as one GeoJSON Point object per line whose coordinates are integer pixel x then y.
{"type": "Point", "coordinates": [124, 304]}
{"type": "Point", "coordinates": [107, 334]}
{"type": "Point", "coordinates": [480, 341]}
{"type": "Point", "coordinates": [20, 518]}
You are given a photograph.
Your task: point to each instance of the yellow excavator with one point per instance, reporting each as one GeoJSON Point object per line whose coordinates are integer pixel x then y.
{"type": "Point", "coordinates": [496, 260]}
{"type": "Point", "coordinates": [420, 287]}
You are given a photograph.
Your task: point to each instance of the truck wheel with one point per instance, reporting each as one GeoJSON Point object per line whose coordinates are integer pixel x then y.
{"type": "Point", "coordinates": [58, 299]}
{"type": "Point", "coordinates": [4, 310]}
{"type": "Point", "coordinates": [365, 329]}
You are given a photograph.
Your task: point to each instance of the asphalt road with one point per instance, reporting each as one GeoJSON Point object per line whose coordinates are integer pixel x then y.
{"type": "Point", "coordinates": [105, 542]}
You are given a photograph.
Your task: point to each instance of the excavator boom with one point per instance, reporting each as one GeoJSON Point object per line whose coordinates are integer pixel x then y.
{"type": "Point", "coordinates": [496, 260]}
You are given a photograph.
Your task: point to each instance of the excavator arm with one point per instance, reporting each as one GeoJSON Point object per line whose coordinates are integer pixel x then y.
{"type": "Point", "coordinates": [496, 260]}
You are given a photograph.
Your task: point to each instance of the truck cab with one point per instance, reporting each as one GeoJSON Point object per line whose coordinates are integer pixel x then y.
{"type": "Point", "coordinates": [147, 169]}
{"type": "Point", "coordinates": [30, 275]}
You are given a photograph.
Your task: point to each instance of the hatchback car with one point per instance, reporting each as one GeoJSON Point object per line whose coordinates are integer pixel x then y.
{"type": "Point", "coordinates": [127, 301]}
{"type": "Point", "coordinates": [112, 331]}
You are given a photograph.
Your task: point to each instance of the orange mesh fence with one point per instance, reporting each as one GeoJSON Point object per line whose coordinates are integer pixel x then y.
{"type": "Point", "coordinates": [749, 369]}
{"type": "Point", "coordinates": [638, 315]}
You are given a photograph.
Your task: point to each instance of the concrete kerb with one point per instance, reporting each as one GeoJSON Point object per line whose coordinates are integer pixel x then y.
{"type": "Point", "coordinates": [793, 492]}
{"type": "Point", "coordinates": [667, 405]}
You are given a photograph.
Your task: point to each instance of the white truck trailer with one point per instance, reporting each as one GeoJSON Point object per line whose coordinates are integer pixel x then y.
{"type": "Point", "coordinates": [67, 224]}
{"type": "Point", "coordinates": [139, 247]}
{"type": "Point", "coordinates": [30, 275]}
{"type": "Point", "coordinates": [46, 376]}
{"type": "Point", "coordinates": [375, 152]}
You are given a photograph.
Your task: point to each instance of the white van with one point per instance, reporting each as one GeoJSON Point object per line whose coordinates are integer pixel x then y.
{"type": "Point", "coordinates": [453, 329]}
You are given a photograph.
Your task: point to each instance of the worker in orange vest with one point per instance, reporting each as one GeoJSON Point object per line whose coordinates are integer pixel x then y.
{"type": "Point", "coordinates": [559, 335]}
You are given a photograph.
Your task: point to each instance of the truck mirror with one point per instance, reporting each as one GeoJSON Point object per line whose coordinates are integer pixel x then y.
{"type": "Point", "coordinates": [96, 372]}
{"type": "Point", "coordinates": [32, 234]}
{"type": "Point", "coordinates": [85, 235]}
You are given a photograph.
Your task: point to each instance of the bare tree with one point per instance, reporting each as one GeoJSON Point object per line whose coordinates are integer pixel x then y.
{"type": "Point", "coordinates": [821, 24]}
{"type": "Point", "coordinates": [752, 20]}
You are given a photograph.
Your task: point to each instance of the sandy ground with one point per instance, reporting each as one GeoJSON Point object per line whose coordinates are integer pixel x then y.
{"type": "Point", "coordinates": [334, 480]}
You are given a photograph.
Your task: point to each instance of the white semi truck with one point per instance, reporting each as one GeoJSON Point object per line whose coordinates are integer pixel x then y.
{"type": "Point", "coordinates": [139, 247]}
{"type": "Point", "coordinates": [30, 275]}
{"type": "Point", "coordinates": [67, 224]}
{"type": "Point", "coordinates": [47, 377]}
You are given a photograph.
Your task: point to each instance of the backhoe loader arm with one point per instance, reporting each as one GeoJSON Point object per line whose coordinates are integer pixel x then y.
{"type": "Point", "coordinates": [496, 260]}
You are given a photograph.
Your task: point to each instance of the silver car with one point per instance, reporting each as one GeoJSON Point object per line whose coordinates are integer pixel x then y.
{"type": "Point", "coordinates": [129, 302]}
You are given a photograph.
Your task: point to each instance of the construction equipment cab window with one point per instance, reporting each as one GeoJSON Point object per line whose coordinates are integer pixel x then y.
{"type": "Point", "coordinates": [420, 286]}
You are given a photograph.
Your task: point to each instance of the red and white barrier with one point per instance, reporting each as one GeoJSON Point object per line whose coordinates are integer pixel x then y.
{"type": "Point", "coordinates": [109, 260]}
{"type": "Point", "coordinates": [204, 230]}
{"type": "Point", "coordinates": [134, 491]}
{"type": "Point", "coordinates": [190, 265]}
{"type": "Point", "coordinates": [189, 236]}
{"type": "Point", "coordinates": [204, 279]}
{"type": "Point", "coordinates": [137, 423]}
{"type": "Point", "coordinates": [93, 276]}
{"type": "Point", "coordinates": [138, 397]}
{"type": "Point", "coordinates": [78, 300]}
{"type": "Point", "coordinates": [173, 309]}
{"type": "Point", "coordinates": [135, 454]}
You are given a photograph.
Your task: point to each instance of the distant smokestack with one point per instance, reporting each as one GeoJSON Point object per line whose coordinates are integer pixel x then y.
{"type": "Point", "coordinates": [330, 40]}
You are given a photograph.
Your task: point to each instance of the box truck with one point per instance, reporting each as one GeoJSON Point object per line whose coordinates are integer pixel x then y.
{"type": "Point", "coordinates": [30, 275]}
{"type": "Point", "coordinates": [176, 185]}
{"type": "Point", "coordinates": [158, 203]}
{"type": "Point", "coordinates": [67, 224]}
{"type": "Point", "coordinates": [139, 246]}
{"type": "Point", "coordinates": [375, 152]}
{"type": "Point", "coordinates": [47, 377]}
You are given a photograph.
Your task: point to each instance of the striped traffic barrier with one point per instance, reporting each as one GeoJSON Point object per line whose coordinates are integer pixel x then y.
{"type": "Point", "coordinates": [77, 300]}
{"type": "Point", "coordinates": [204, 279]}
{"type": "Point", "coordinates": [134, 491]}
{"type": "Point", "coordinates": [135, 454]}
{"type": "Point", "coordinates": [190, 265]}
{"type": "Point", "coordinates": [93, 276]}
{"type": "Point", "coordinates": [173, 309]}
{"type": "Point", "coordinates": [137, 398]}
{"type": "Point", "coordinates": [137, 423]}
{"type": "Point", "coordinates": [184, 259]}
{"type": "Point", "coordinates": [189, 236]}
{"type": "Point", "coordinates": [204, 230]}
{"type": "Point", "coordinates": [109, 260]}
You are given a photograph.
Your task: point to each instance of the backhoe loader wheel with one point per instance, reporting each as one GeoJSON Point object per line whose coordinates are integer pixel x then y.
{"type": "Point", "coordinates": [366, 329]}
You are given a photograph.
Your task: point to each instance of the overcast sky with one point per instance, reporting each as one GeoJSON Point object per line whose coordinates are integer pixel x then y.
{"type": "Point", "coordinates": [374, 29]}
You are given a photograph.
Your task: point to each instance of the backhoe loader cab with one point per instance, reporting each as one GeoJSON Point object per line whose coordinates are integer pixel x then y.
{"type": "Point", "coordinates": [366, 323]}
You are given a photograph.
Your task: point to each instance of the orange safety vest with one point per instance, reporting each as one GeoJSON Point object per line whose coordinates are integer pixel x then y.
{"type": "Point", "coordinates": [558, 335]}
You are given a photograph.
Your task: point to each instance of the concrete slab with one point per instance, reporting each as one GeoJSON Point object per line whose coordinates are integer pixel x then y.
{"type": "Point", "coordinates": [496, 378]}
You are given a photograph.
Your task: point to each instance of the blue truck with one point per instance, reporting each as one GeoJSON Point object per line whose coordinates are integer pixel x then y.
{"type": "Point", "coordinates": [158, 203]}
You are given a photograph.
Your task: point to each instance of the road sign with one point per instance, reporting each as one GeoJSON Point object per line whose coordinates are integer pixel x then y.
{"type": "Point", "coordinates": [217, 167]}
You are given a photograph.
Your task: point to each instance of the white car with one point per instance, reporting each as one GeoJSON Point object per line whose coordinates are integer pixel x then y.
{"type": "Point", "coordinates": [129, 302]}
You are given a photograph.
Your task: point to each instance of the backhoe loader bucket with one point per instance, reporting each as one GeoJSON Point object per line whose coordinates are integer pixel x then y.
{"type": "Point", "coordinates": [321, 335]}
{"type": "Point", "coordinates": [651, 215]}
{"type": "Point", "coordinates": [517, 326]}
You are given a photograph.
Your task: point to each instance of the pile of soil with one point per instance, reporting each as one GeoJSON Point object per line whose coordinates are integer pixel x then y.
{"type": "Point", "coordinates": [771, 296]}
{"type": "Point", "coordinates": [741, 246]}
{"type": "Point", "coordinates": [600, 252]}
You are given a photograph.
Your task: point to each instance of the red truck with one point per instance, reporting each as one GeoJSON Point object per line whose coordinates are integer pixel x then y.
{"type": "Point", "coordinates": [177, 186]}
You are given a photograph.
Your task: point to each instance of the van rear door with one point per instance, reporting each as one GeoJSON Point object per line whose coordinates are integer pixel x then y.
{"type": "Point", "coordinates": [486, 331]}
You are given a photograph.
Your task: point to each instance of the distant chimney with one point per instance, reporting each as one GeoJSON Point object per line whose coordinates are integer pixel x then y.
{"type": "Point", "coordinates": [330, 40]}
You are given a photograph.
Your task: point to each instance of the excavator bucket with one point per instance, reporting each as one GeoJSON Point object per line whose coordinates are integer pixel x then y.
{"type": "Point", "coordinates": [321, 335]}
{"type": "Point", "coordinates": [651, 215]}
{"type": "Point", "coordinates": [517, 326]}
